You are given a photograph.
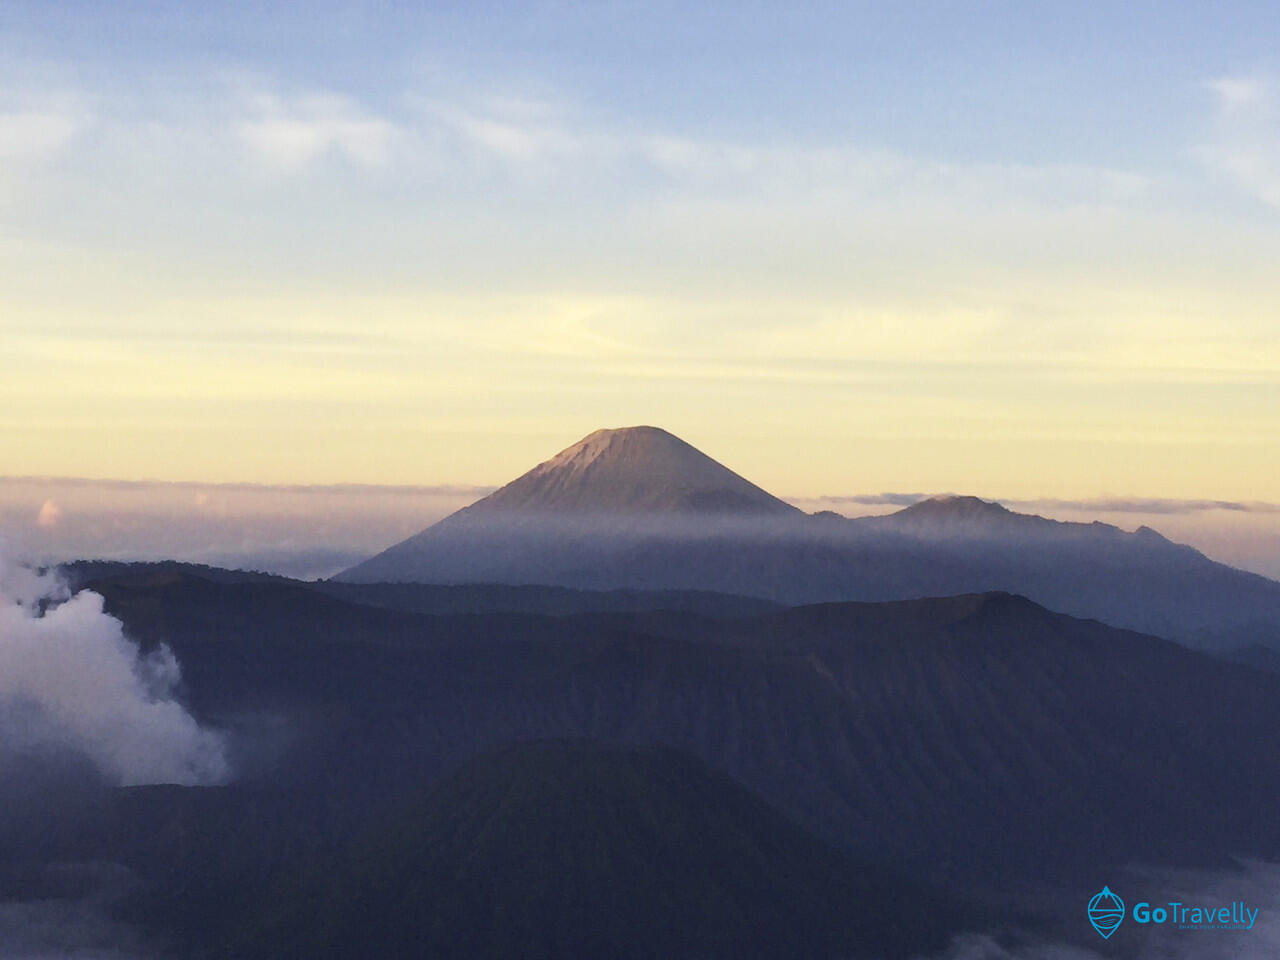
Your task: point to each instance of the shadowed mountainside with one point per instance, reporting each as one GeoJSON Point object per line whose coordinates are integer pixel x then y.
{"type": "Point", "coordinates": [571, 849]}
{"type": "Point", "coordinates": [637, 508]}
{"type": "Point", "coordinates": [980, 741]}
{"type": "Point", "coordinates": [430, 598]}
{"type": "Point", "coordinates": [965, 735]}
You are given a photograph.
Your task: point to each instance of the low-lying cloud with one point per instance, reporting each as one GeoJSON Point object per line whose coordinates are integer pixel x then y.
{"type": "Point", "coordinates": [977, 946]}
{"type": "Point", "coordinates": [1150, 505]}
{"type": "Point", "coordinates": [1242, 533]}
{"type": "Point", "coordinates": [312, 532]}
{"type": "Point", "coordinates": [71, 681]}
{"type": "Point", "coordinates": [874, 499]}
{"type": "Point", "coordinates": [1253, 883]}
{"type": "Point", "coordinates": [66, 930]}
{"type": "Point", "coordinates": [1158, 506]}
{"type": "Point", "coordinates": [296, 530]}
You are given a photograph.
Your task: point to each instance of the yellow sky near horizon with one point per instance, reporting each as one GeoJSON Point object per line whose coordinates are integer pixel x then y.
{"type": "Point", "coordinates": [241, 267]}
{"type": "Point", "coordinates": [805, 396]}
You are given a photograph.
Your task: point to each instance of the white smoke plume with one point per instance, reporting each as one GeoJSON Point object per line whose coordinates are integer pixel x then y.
{"type": "Point", "coordinates": [70, 680]}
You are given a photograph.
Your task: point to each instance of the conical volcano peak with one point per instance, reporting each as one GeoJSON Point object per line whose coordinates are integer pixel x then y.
{"type": "Point", "coordinates": [639, 443]}
{"type": "Point", "coordinates": [632, 469]}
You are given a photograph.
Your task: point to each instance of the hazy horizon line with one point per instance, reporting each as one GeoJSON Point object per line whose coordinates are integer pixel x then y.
{"type": "Point", "coordinates": [453, 489]}
{"type": "Point", "coordinates": [1108, 503]}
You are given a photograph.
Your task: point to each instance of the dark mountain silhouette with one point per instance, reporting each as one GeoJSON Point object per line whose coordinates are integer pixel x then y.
{"type": "Point", "coordinates": [640, 509]}
{"type": "Point", "coordinates": [431, 598]}
{"type": "Point", "coordinates": [80, 572]}
{"type": "Point", "coordinates": [962, 735]}
{"type": "Point", "coordinates": [979, 741]}
{"type": "Point", "coordinates": [1259, 657]}
{"type": "Point", "coordinates": [573, 849]}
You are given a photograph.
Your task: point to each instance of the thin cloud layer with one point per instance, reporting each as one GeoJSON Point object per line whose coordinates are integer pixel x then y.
{"type": "Point", "coordinates": [1244, 146]}
{"type": "Point", "coordinates": [33, 134]}
{"type": "Point", "coordinates": [1254, 883]}
{"type": "Point", "coordinates": [1151, 505]}
{"type": "Point", "coordinates": [1158, 506]}
{"type": "Point", "coordinates": [290, 132]}
{"type": "Point", "coordinates": [315, 531]}
{"type": "Point", "coordinates": [874, 499]}
{"type": "Point", "coordinates": [292, 529]}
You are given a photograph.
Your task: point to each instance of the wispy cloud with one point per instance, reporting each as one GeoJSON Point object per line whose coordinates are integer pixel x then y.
{"type": "Point", "coordinates": [1148, 505]}
{"type": "Point", "coordinates": [200, 487]}
{"type": "Point", "coordinates": [528, 134]}
{"type": "Point", "coordinates": [1240, 92]}
{"type": "Point", "coordinates": [1156, 506]}
{"type": "Point", "coordinates": [871, 499]}
{"type": "Point", "coordinates": [35, 134]}
{"type": "Point", "coordinates": [1244, 145]}
{"type": "Point", "coordinates": [38, 128]}
{"type": "Point", "coordinates": [464, 140]}
{"type": "Point", "coordinates": [292, 131]}
{"type": "Point", "coordinates": [515, 135]}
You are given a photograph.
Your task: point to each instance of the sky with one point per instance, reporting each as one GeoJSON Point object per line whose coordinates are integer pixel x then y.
{"type": "Point", "coordinates": [1026, 251]}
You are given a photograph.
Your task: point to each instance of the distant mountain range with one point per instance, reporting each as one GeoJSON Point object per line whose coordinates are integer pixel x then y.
{"type": "Point", "coordinates": [638, 508]}
{"type": "Point", "coordinates": [976, 749]}
{"type": "Point", "coordinates": [632, 705]}
{"type": "Point", "coordinates": [913, 727]}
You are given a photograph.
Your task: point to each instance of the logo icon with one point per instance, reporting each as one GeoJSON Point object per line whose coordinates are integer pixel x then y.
{"type": "Point", "coordinates": [1106, 910]}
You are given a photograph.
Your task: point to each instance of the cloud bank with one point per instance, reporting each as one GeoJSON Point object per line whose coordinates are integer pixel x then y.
{"type": "Point", "coordinates": [296, 530]}
{"type": "Point", "coordinates": [1163, 506]}
{"type": "Point", "coordinates": [70, 680]}
{"type": "Point", "coordinates": [1151, 505]}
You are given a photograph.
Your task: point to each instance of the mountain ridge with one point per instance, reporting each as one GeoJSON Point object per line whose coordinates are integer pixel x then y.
{"type": "Point", "coordinates": [854, 719]}
{"type": "Point", "coordinates": [638, 508]}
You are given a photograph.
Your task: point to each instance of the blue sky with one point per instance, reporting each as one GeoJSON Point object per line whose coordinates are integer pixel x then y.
{"type": "Point", "coordinates": [995, 81]}
{"type": "Point", "coordinates": [1022, 249]}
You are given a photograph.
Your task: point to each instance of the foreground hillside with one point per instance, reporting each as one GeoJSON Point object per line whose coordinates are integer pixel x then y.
{"type": "Point", "coordinates": [978, 748]}
{"type": "Point", "coordinates": [962, 733]}
{"type": "Point", "coordinates": [570, 849]}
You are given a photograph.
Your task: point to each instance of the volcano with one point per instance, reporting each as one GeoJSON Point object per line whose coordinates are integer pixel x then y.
{"type": "Point", "coordinates": [640, 509]}
{"type": "Point", "coordinates": [611, 488]}
{"type": "Point", "coordinates": [632, 470]}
